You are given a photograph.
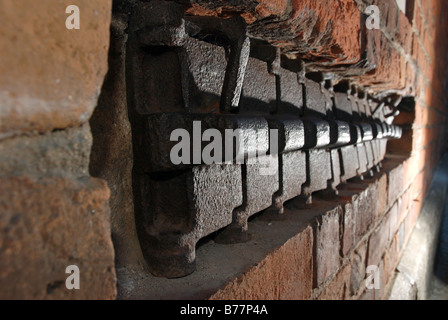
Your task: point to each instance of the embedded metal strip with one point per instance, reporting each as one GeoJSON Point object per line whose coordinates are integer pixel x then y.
{"type": "Point", "coordinates": [193, 82]}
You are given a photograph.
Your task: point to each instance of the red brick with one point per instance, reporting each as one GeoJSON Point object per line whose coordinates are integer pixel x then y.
{"type": "Point", "coordinates": [388, 73]}
{"type": "Point", "coordinates": [338, 288]}
{"type": "Point", "coordinates": [358, 267]}
{"type": "Point", "coordinates": [395, 180]}
{"type": "Point", "coordinates": [348, 228]}
{"type": "Point", "coordinates": [405, 204]}
{"type": "Point", "coordinates": [326, 245]}
{"type": "Point", "coordinates": [409, 226]}
{"type": "Point", "coordinates": [404, 33]}
{"type": "Point", "coordinates": [389, 16]}
{"type": "Point", "coordinates": [284, 274]}
{"type": "Point", "coordinates": [391, 259]}
{"type": "Point", "coordinates": [290, 22]}
{"type": "Point", "coordinates": [382, 195]}
{"type": "Point", "coordinates": [364, 197]}
{"type": "Point", "coordinates": [419, 139]}
{"type": "Point", "coordinates": [401, 236]}
{"type": "Point", "coordinates": [414, 212]}
{"type": "Point", "coordinates": [418, 186]}
{"type": "Point", "coordinates": [382, 285]}
{"type": "Point", "coordinates": [408, 172]}
{"type": "Point", "coordinates": [392, 217]}
{"type": "Point", "coordinates": [367, 210]}
{"type": "Point", "coordinates": [377, 243]}
{"type": "Point", "coordinates": [367, 295]}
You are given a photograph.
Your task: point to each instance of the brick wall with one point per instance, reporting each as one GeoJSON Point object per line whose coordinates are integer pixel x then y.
{"type": "Point", "coordinates": [66, 154]}
{"type": "Point", "coordinates": [380, 230]}
{"type": "Point", "coordinates": [369, 223]}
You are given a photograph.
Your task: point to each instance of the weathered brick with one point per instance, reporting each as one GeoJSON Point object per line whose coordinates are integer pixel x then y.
{"type": "Point", "coordinates": [382, 283]}
{"type": "Point", "coordinates": [409, 225]}
{"type": "Point", "coordinates": [392, 218]}
{"type": "Point", "coordinates": [388, 72]}
{"type": "Point", "coordinates": [291, 22]}
{"type": "Point", "coordinates": [363, 207]}
{"type": "Point", "coordinates": [416, 207]}
{"type": "Point", "coordinates": [338, 288]}
{"type": "Point", "coordinates": [348, 228]}
{"type": "Point", "coordinates": [48, 224]}
{"type": "Point", "coordinates": [59, 153]}
{"type": "Point", "coordinates": [395, 179]}
{"type": "Point", "coordinates": [405, 204]}
{"type": "Point", "coordinates": [367, 210]}
{"type": "Point", "coordinates": [59, 71]}
{"type": "Point", "coordinates": [401, 233]}
{"type": "Point", "coordinates": [391, 259]}
{"type": "Point", "coordinates": [417, 188]}
{"type": "Point", "coordinates": [327, 245]}
{"type": "Point", "coordinates": [285, 273]}
{"type": "Point", "coordinates": [358, 267]}
{"type": "Point", "coordinates": [377, 243]}
{"type": "Point", "coordinates": [382, 195]}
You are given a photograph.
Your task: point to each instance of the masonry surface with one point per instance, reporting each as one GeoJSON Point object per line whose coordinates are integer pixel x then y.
{"type": "Point", "coordinates": [78, 106]}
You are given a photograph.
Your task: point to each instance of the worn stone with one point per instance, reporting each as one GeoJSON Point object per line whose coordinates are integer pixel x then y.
{"type": "Point", "coordinates": [50, 76]}
{"type": "Point", "coordinates": [60, 153]}
{"type": "Point", "coordinates": [392, 216]}
{"type": "Point", "coordinates": [284, 274]}
{"type": "Point", "coordinates": [48, 224]}
{"type": "Point", "coordinates": [338, 289]}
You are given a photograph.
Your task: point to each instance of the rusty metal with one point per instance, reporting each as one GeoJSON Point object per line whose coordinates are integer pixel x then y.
{"type": "Point", "coordinates": [258, 191]}
{"type": "Point", "coordinates": [201, 73]}
{"type": "Point", "coordinates": [292, 161]}
{"type": "Point", "coordinates": [234, 31]}
{"type": "Point", "coordinates": [204, 202]}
